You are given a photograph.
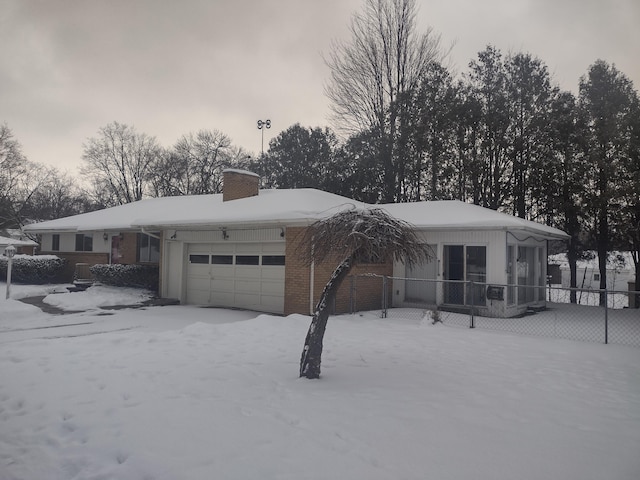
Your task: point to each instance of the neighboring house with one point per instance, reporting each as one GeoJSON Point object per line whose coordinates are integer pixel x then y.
{"type": "Point", "coordinates": [620, 271]}
{"type": "Point", "coordinates": [23, 245]}
{"type": "Point", "coordinates": [238, 249]}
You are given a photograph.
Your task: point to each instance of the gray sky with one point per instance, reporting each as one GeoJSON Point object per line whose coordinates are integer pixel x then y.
{"type": "Point", "coordinates": [170, 67]}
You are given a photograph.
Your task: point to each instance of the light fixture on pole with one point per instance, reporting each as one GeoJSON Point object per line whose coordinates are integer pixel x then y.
{"type": "Point", "coordinates": [10, 251]}
{"type": "Point", "coordinates": [261, 126]}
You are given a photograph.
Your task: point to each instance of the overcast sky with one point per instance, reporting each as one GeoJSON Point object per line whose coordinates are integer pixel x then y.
{"type": "Point", "coordinates": [170, 67]}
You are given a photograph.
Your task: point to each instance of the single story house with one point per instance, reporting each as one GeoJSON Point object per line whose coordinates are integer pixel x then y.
{"type": "Point", "coordinates": [23, 244]}
{"type": "Point", "coordinates": [238, 249]}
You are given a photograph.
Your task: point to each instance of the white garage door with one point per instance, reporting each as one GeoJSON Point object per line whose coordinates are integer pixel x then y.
{"type": "Point", "coordinates": [241, 275]}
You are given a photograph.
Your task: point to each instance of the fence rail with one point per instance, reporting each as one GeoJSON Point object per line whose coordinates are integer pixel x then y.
{"type": "Point", "coordinates": [602, 316]}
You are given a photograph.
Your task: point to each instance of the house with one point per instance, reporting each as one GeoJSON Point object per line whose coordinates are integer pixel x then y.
{"type": "Point", "coordinates": [620, 271]}
{"type": "Point", "coordinates": [238, 249]}
{"type": "Point", "coordinates": [16, 238]}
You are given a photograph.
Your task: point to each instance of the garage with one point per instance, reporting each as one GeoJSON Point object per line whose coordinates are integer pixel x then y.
{"type": "Point", "coordinates": [236, 275]}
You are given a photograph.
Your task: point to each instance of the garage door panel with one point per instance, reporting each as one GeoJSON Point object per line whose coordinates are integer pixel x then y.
{"type": "Point", "coordinates": [247, 286]}
{"type": "Point", "coordinates": [222, 285]}
{"type": "Point", "coordinates": [272, 273]}
{"type": "Point", "coordinates": [247, 272]}
{"type": "Point", "coordinates": [223, 299]}
{"type": "Point", "coordinates": [271, 288]}
{"type": "Point", "coordinates": [198, 297]}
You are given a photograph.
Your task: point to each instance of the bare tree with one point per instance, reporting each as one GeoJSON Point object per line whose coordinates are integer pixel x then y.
{"type": "Point", "coordinates": [351, 237]}
{"type": "Point", "coordinates": [119, 160]}
{"type": "Point", "coordinates": [385, 58]}
{"type": "Point", "coordinates": [20, 181]}
{"type": "Point", "coordinates": [13, 170]}
{"type": "Point", "coordinates": [194, 165]}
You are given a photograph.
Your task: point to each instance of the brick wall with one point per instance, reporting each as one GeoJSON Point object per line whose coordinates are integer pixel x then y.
{"type": "Point", "coordinates": [72, 258]}
{"type": "Point", "coordinates": [368, 291]}
{"type": "Point", "coordinates": [297, 279]}
{"type": "Point", "coordinates": [128, 248]}
{"type": "Point", "coordinates": [237, 185]}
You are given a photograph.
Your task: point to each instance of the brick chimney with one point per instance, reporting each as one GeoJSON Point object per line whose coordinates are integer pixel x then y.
{"type": "Point", "coordinates": [239, 184]}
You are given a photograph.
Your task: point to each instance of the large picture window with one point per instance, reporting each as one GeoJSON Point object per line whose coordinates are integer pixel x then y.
{"type": "Point", "coordinates": [84, 243]}
{"type": "Point", "coordinates": [148, 249]}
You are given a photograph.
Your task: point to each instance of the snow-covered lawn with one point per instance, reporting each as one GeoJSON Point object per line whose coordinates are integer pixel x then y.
{"type": "Point", "coordinates": [182, 392]}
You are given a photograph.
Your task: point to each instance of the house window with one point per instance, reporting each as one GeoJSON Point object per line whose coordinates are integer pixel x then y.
{"type": "Point", "coordinates": [529, 274]}
{"type": "Point", "coordinates": [511, 275]}
{"type": "Point", "coordinates": [148, 249]}
{"type": "Point", "coordinates": [55, 242]}
{"type": "Point", "coordinates": [84, 243]}
{"type": "Point", "coordinates": [596, 277]}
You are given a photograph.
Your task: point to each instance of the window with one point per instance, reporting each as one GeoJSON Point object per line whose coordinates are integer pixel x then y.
{"type": "Point", "coordinates": [511, 275]}
{"type": "Point", "coordinates": [148, 249]}
{"type": "Point", "coordinates": [84, 243]}
{"type": "Point", "coordinates": [465, 264]}
{"type": "Point", "coordinates": [247, 260]}
{"type": "Point", "coordinates": [195, 258]}
{"type": "Point", "coordinates": [55, 242]}
{"type": "Point", "coordinates": [222, 259]}
{"type": "Point", "coordinates": [596, 277]}
{"type": "Point", "coordinates": [273, 260]}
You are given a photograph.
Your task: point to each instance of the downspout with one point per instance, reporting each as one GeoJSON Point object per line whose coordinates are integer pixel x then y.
{"type": "Point", "coordinates": [311, 282]}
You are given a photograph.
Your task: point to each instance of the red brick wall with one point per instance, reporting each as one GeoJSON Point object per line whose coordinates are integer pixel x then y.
{"type": "Point", "coordinates": [237, 185]}
{"type": "Point", "coordinates": [78, 257]}
{"type": "Point", "coordinates": [368, 291]}
{"type": "Point", "coordinates": [128, 248]}
{"type": "Point", "coordinates": [297, 279]}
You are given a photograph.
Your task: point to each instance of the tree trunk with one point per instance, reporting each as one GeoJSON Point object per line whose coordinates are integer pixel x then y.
{"type": "Point", "coordinates": [312, 352]}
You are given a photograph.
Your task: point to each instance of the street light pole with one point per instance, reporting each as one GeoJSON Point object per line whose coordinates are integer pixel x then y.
{"type": "Point", "coordinates": [261, 126]}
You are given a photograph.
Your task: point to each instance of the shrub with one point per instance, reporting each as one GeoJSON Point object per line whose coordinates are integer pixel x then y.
{"type": "Point", "coordinates": [34, 269]}
{"type": "Point", "coordinates": [139, 276]}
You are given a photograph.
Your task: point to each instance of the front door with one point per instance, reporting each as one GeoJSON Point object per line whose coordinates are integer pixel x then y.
{"type": "Point", "coordinates": [465, 264]}
{"type": "Point", "coordinates": [116, 253]}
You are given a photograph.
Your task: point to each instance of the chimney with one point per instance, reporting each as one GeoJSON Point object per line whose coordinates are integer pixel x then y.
{"type": "Point", "coordinates": [239, 184]}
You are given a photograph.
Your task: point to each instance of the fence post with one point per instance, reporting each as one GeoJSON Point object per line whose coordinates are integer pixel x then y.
{"type": "Point", "coordinates": [473, 294]}
{"type": "Point", "coordinates": [606, 317]}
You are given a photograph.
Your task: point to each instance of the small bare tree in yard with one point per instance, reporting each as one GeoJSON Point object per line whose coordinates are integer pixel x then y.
{"type": "Point", "coordinates": [352, 237]}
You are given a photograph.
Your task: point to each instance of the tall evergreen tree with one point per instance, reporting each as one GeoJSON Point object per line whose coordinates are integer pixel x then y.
{"type": "Point", "coordinates": [487, 79]}
{"type": "Point", "coordinates": [299, 157]}
{"type": "Point", "coordinates": [529, 94]}
{"type": "Point", "coordinates": [607, 99]}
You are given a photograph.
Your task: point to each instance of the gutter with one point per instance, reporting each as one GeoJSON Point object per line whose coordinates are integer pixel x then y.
{"type": "Point", "coordinates": [153, 235]}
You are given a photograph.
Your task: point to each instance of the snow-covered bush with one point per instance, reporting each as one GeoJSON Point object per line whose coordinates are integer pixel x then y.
{"type": "Point", "coordinates": [34, 269]}
{"type": "Point", "coordinates": [141, 276]}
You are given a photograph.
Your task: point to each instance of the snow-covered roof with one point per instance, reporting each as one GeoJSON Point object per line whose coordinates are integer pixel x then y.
{"type": "Point", "coordinates": [282, 207]}
{"type": "Point", "coordinates": [457, 215]}
{"type": "Point", "coordinates": [16, 242]}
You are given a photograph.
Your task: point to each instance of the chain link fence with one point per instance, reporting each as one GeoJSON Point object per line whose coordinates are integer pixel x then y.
{"type": "Point", "coordinates": [601, 316]}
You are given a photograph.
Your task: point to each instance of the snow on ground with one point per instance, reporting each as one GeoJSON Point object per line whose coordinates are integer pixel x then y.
{"type": "Point", "coordinates": [182, 392]}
